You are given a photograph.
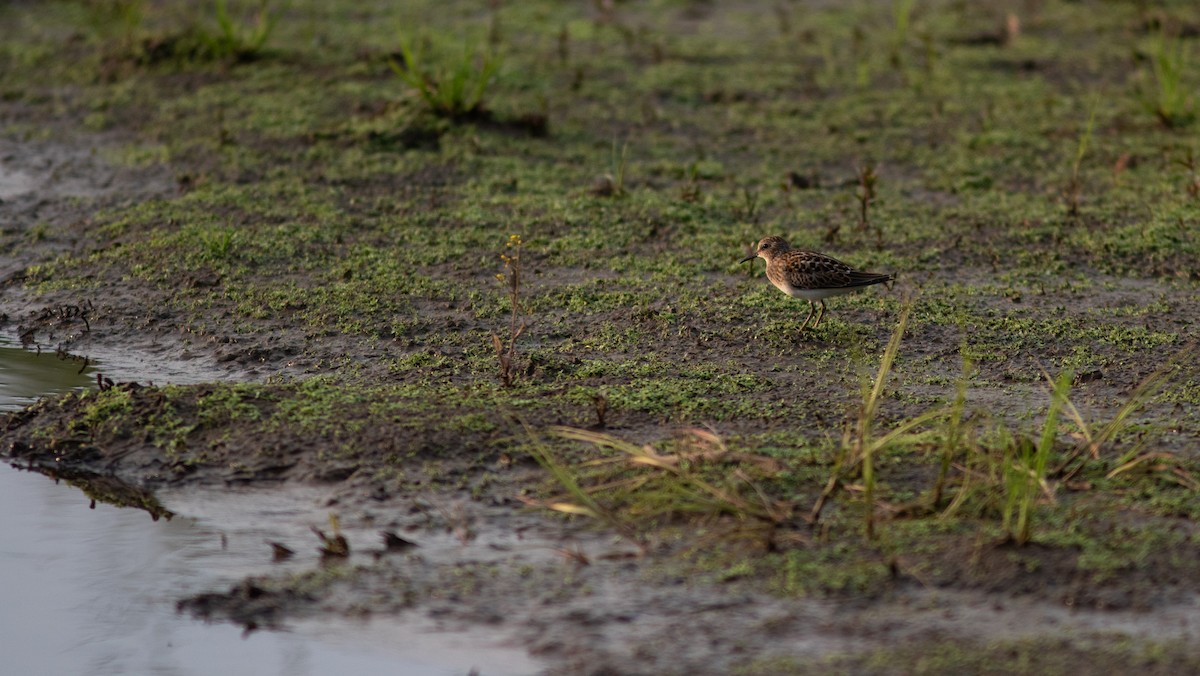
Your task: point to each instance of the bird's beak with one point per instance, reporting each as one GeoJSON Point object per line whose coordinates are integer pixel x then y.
{"type": "Point", "coordinates": [749, 258]}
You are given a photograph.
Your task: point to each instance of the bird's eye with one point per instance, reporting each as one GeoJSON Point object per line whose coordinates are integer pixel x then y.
{"type": "Point", "coordinates": [766, 245]}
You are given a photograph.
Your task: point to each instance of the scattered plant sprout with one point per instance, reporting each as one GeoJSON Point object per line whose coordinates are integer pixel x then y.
{"type": "Point", "coordinates": [220, 244]}
{"type": "Point", "coordinates": [583, 503]}
{"type": "Point", "coordinates": [834, 74]}
{"type": "Point", "coordinates": [866, 414]}
{"type": "Point", "coordinates": [1172, 468]}
{"type": "Point", "coordinates": [1017, 470]}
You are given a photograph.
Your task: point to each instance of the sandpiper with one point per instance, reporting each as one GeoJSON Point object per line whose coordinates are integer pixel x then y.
{"type": "Point", "coordinates": [810, 275]}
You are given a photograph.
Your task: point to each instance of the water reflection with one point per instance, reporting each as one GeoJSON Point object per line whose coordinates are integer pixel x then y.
{"type": "Point", "coordinates": [111, 491]}
{"type": "Point", "coordinates": [26, 375]}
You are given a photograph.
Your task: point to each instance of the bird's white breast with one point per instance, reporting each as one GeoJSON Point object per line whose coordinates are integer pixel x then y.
{"type": "Point", "coordinates": [814, 294]}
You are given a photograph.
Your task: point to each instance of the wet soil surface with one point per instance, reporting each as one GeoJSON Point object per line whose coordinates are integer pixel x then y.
{"type": "Point", "coordinates": [464, 556]}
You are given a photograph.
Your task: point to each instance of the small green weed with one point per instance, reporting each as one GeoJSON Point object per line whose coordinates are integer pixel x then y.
{"type": "Point", "coordinates": [168, 431]}
{"type": "Point", "coordinates": [1167, 96]}
{"type": "Point", "coordinates": [236, 41]}
{"type": "Point", "coordinates": [219, 244]}
{"type": "Point", "coordinates": [451, 88]}
{"type": "Point", "coordinates": [612, 184]}
{"type": "Point", "coordinates": [748, 209]}
{"type": "Point", "coordinates": [228, 405]}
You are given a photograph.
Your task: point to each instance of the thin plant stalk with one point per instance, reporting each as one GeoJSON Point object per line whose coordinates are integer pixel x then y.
{"type": "Point", "coordinates": [867, 179]}
{"type": "Point", "coordinates": [619, 162]}
{"type": "Point", "coordinates": [516, 326]}
{"type": "Point", "coordinates": [1075, 184]}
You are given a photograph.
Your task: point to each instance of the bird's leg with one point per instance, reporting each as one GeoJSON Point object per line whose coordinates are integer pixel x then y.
{"type": "Point", "coordinates": [820, 315]}
{"type": "Point", "coordinates": [811, 307]}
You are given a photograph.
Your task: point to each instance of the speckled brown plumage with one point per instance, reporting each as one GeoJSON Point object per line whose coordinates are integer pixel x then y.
{"type": "Point", "coordinates": [810, 275]}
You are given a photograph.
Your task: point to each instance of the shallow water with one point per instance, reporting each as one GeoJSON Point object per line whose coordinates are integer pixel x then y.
{"type": "Point", "coordinates": [26, 375]}
{"type": "Point", "coordinates": [92, 589]}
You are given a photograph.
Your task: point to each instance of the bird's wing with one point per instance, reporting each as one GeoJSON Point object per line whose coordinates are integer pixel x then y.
{"type": "Point", "coordinates": [812, 270]}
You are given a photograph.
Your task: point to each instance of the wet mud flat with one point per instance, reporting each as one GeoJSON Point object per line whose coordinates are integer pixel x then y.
{"type": "Point", "coordinates": [291, 292]}
{"type": "Point", "coordinates": [442, 567]}
{"type": "Point", "coordinates": [465, 579]}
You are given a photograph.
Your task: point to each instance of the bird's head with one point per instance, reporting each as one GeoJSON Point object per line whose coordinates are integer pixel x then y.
{"type": "Point", "coordinates": [768, 247]}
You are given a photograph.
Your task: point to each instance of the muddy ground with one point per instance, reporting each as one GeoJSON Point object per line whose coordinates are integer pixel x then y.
{"type": "Point", "coordinates": [285, 265]}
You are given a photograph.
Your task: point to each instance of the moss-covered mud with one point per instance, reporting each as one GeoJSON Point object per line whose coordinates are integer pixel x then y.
{"type": "Point", "coordinates": [298, 228]}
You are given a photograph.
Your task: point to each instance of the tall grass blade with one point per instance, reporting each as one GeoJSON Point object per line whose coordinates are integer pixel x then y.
{"type": "Point", "coordinates": [1027, 476]}
{"type": "Point", "coordinates": [867, 450]}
